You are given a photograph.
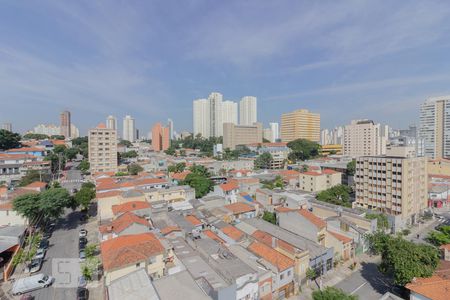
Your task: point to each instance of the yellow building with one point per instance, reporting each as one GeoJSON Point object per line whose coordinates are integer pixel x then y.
{"type": "Point", "coordinates": [234, 135]}
{"type": "Point", "coordinates": [331, 149]}
{"type": "Point", "coordinates": [300, 124]}
{"type": "Point", "coordinates": [439, 166]}
{"type": "Point", "coordinates": [103, 149]}
{"type": "Point", "coordinates": [312, 181]}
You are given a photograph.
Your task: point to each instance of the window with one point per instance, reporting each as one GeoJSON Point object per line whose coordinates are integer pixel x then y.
{"type": "Point", "coordinates": [138, 265]}
{"type": "Point", "coordinates": [281, 276]}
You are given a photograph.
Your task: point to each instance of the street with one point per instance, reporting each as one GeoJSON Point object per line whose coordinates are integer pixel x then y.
{"type": "Point", "coordinates": [73, 178]}
{"type": "Point", "coordinates": [63, 244]}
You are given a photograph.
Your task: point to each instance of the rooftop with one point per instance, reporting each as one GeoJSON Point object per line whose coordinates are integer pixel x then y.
{"type": "Point", "coordinates": [130, 206]}
{"type": "Point", "coordinates": [239, 208]}
{"type": "Point", "coordinates": [186, 287]}
{"type": "Point", "coordinates": [135, 285]}
{"type": "Point", "coordinates": [280, 261]}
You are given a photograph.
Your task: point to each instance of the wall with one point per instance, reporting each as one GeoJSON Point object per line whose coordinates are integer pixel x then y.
{"type": "Point", "coordinates": [295, 223]}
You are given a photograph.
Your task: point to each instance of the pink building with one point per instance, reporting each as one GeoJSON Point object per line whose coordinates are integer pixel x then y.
{"type": "Point", "coordinates": [160, 137]}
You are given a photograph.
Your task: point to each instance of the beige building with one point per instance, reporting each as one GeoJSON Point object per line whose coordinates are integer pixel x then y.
{"type": "Point", "coordinates": [439, 166]}
{"type": "Point", "coordinates": [300, 124]}
{"type": "Point", "coordinates": [364, 137]}
{"type": "Point", "coordinates": [234, 135]}
{"type": "Point", "coordinates": [313, 181]}
{"type": "Point", "coordinates": [392, 185]}
{"type": "Point", "coordinates": [103, 149]}
{"type": "Point", "coordinates": [331, 149]}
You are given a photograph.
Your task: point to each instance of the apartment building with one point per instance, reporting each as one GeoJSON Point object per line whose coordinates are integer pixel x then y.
{"type": "Point", "coordinates": [160, 137]}
{"type": "Point", "coordinates": [300, 124]}
{"type": "Point", "coordinates": [434, 126]}
{"type": "Point", "coordinates": [393, 185]}
{"type": "Point", "coordinates": [364, 137]}
{"type": "Point", "coordinates": [316, 181]}
{"type": "Point", "coordinates": [65, 122]}
{"type": "Point", "coordinates": [103, 149]}
{"type": "Point", "coordinates": [248, 113]}
{"type": "Point", "coordinates": [279, 152]}
{"type": "Point", "coordinates": [234, 135]}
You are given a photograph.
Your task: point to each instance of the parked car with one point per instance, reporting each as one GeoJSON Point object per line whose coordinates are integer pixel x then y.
{"type": "Point", "coordinates": [82, 294]}
{"type": "Point", "coordinates": [40, 253]}
{"type": "Point", "coordinates": [83, 233]}
{"type": "Point", "coordinates": [44, 244]}
{"type": "Point", "coordinates": [34, 266]}
{"type": "Point", "coordinates": [82, 255]}
{"type": "Point", "coordinates": [82, 282]}
{"type": "Point", "coordinates": [28, 284]}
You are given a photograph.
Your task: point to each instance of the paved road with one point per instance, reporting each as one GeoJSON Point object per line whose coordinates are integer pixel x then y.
{"type": "Point", "coordinates": [368, 283]}
{"type": "Point", "coordinates": [63, 244]}
{"type": "Point", "coordinates": [73, 178]}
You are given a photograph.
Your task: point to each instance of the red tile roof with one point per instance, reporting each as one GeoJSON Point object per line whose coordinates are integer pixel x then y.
{"type": "Point", "coordinates": [311, 173]}
{"type": "Point", "coordinates": [269, 239]}
{"type": "Point", "coordinates": [239, 208]}
{"type": "Point", "coordinates": [318, 222]}
{"type": "Point", "coordinates": [233, 232]}
{"type": "Point", "coordinates": [434, 287]}
{"type": "Point", "coordinates": [26, 149]}
{"type": "Point", "coordinates": [108, 194]}
{"type": "Point", "coordinates": [129, 249]}
{"type": "Point", "coordinates": [123, 222]}
{"type": "Point", "coordinates": [341, 237]}
{"type": "Point", "coordinates": [446, 247]}
{"type": "Point", "coordinates": [280, 261]}
{"type": "Point", "coordinates": [329, 171]}
{"type": "Point", "coordinates": [213, 236]}
{"type": "Point", "coordinates": [282, 209]}
{"type": "Point", "coordinates": [37, 184]}
{"type": "Point", "coordinates": [169, 229]}
{"type": "Point", "coordinates": [229, 186]}
{"type": "Point", "coordinates": [193, 220]}
{"type": "Point", "coordinates": [181, 175]}
{"type": "Point", "coordinates": [9, 156]}
{"type": "Point", "coordinates": [129, 206]}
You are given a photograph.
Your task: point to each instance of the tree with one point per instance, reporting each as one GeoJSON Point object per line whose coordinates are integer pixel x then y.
{"type": "Point", "coordinates": [200, 170]}
{"type": "Point", "coordinates": [90, 250]}
{"type": "Point", "coordinates": [303, 149]}
{"type": "Point", "coordinates": [125, 143]}
{"type": "Point", "coordinates": [170, 151]}
{"type": "Point", "coordinates": [84, 197]}
{"type": "Point", "coordinates": [134, 169]}
{"type": "Point", "coordinates": [332, 293]}
{"type": "Point", "coordinates": [339, 195]}
{"type": "Point", "coordinates": [84, 166]}
{"type": "Point", "coordinates": [278, 182]}
{"type": "Point", "coordinates": [129, 154]}
{"type": "Point", "coordinates": [33, 176]}
{"type": "Point", "coordinates": [57, 159]}
{"type": "Point", "coordinates": [270, 217]}
{"type": "Point", "coordinates": [441, 236]}
{"type": "Point", "coordinates": [351, 168]}
{"type": "Point", "coordinates": [177, 168]}
{"type": "Point", "coordinates": [265, 140]}
{"type": "Point", "coordinates": [9, 140]}
{"type": "Point", "coordinates": [35, 136]}
{"type": "Point", "coordinates": [263, 161]}
{"type": "Point", "coordinates": [311, 274]}
{"type": "Point", "coordinates": [382, 220]}
{"type": "Point", "coordinates": [53, 201]}
{"type": "Point", "coordinates": [27, 206]}
{"type": "Point", "coordinates": [71, 153]}
{"type": "Point", "coordinates": [88, 185]}
{"type": "Point", "coordinates": [201, 183]}
{"type": "Point", "coordinates": [58, 137]}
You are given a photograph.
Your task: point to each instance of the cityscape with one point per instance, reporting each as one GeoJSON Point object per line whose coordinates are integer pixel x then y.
{"type": "Point", "coordinates": [228, 191]}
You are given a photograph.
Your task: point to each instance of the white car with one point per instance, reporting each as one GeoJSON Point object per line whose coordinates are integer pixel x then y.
{"type": "Point", "coordinates": [83, 233]}
{"type": "Point", "coordinates": [40, 253]}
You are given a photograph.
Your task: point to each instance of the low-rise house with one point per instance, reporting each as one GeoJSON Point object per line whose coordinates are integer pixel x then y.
{"type": "Point", "coordinates": [228, 190]}
{"type": "Point", "coordinates": [342, 245]}
{"type": "Point", "coordinates": [196, 222]}
{"type": "Point", "coordinates": [9, 217]}
{"type": "Point", "coordinates": [436, 287]}
{"type": "Point", "coordinates": [179, 286]}
{"type": "Point", "coordinates": [139, 208]}
{"type": "Point", "coordinates": [37, 186]}
{"type": "Point", "coordinates": [304, 223]}
{"type": "Point", "coordinates": [241, 210]}
{"type": "Point", "coordinates": [134, 285]}
{"type": "Point", "coordinates": [125, 254]}
{"type": "Point", "coordinates": [125, 224]}
{"type": "Point", "coordinates": [179, 177]}
{"type": "Point", "coordinates": [35, 151]}
{"type": "Point", "coordinates": [316, 181]}
{"type": "Point", "coordinates": [290, 178]}
{"type": "Point", "coordinates": [233, 233]}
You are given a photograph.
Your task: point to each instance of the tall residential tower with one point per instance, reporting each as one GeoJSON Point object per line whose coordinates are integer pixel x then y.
{"type": "Point", "coordinates": [300, 124]}
{"type": "Point", "coordinates": [65, 123]}
{"type": "Point", "coordinates": [129, 129]}
{"type": "Point", "coordinates": [248, 111]}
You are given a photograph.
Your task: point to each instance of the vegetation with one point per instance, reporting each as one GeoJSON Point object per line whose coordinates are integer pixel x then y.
{"type": "Point", "coordinates": [351, 168]}
{"type": "Point", "coordinates": [90, 250]}
{"type": "Point", "coordinates": [35, 136]}
{"type": "Point", "coordinates": [33, 176]}
{"type": "Point", "coordinates": [270, 217]}
{"type": "Point", "coordinates": [311, 274]}
{"type": "Point", "coordinates": [58, 137]}
{"type": "Point", "coordinates": [48, 204]}
{"type": "Point", "coordinates": [303, 150]}
{"type": "Point", "coordinates": [134, 169]}
{"type": "Point", "coordinates": [199, 180]}
{"type": "Point", "coordinates": [82, 144]}
{"type": "Point", "coordinates": [205, 145]}
{"type": "Point", "coordinates": [85, 195]}
{"type": "Point", "coordinates": [403, 259]}
{"type": "Point", "coordinates": [125, 143]}
{"type": "Point", "coordinates": [339, 195]}
{"type": "Point", "coordinates": [89, 267]}
{"type": "Point", "coordinates": [9, 140]}
{"type": "Point", "coordinates": [84, 166]}
{"type": "Point", "coordinates": [272, 184]}
{"type": "Point", "coordinates": [263, 161]}
{"type": "Point", "coordinates": [332, 293]}
{"type": "Point", "coordinates": [177, 168]}
{"type": "Point", "coordinates": [441, 236]}
{"type": "Point", "coordinates": [382, 220]}
{"type": "Point", "coordinates": [129, 154]}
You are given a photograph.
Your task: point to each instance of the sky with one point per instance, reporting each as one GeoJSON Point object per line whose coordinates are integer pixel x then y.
{"type": "Point", "coordinates": [343, 59]}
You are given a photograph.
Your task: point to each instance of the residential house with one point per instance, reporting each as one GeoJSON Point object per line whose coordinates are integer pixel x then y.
{"type": "Point", "coordinates": [342, 245]}
{"type": "Point", "coordinates": [241, 210]}
{"type": "Point", "coordinates": [304, 223]}
{"type": "Point", "coordinates": [316, 181]}
{"type": "Point", "coordinates": [125, 224]}
{"type": "Point", "coordinates": [228, 190]}
{"type": "Point", "coordinates": [139, 208]}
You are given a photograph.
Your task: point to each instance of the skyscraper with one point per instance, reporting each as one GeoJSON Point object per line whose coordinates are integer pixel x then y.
{"type": "Point", "coordinates": [103, 149]}
{"type": "Point", "coordinates": [7, 126]}
{"type": "Point", "coordinates": [434, 127]}
{"type": "Point", "coordinates": [229, 112]}
{"type": "Point", "coordinates": [201, 118]}
{"type": "Point", "coordinates": [364, 137]}
{"type": "Point", "coordinates": [111, 122]}
{"type": "Point", "coordinates": [275, 131]}
{"type": "Point", "coordinates": [129, 129]}
{"type": "Point", "coordinates": [216, 117]}
{"type": "Point", "coordinates": [171, 132]}
{"type": "Point", "coordinates": [248, 111]}
{"type": "Point", "coordinates": [65, 124]}
{"type": "Point", "coordinates": [160, 137]}
{"type": "Point", "coordinates": [300, 124]}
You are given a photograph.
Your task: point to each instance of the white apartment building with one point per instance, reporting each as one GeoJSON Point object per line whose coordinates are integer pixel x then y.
{"type": "Point", "coordinates": [393, 185]}
{"type": "Point", "coordinates": [275, 127]}
{"type": "Point", "coordinates": [103, 149]}
{"type": "Point", "coordinates": [201, 118]}
{"type": "Point", "coordinates": [129, 129]}
{"type": "Point", "coordinates": [434, 127]}
{"type": "Point", "coordinates": [229, 112]}
{"type": "Point", "coordinates": [171, 131]}
{"type": "Point", "coordinates": [47, 129]}
{"type": "Point", "coordinates": [111, 122]}
{"type": "Point", "coordinates": [364, 137]}
{"type": "Point", "coordinates": [248, 111]}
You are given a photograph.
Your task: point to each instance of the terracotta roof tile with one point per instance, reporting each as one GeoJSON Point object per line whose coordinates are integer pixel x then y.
{"type": "Point", "coordinates": [341, 237]}
{"type": "Point", "coordinates": [169, 229]}
{"type": "Point", "coordinates": [26, 149]}
{"type": "Point", "coordinates": [434, 287]}
{"type": "Point", "coordinates": [181, 175]}
{"type": "Point", "coordinates": [239, 208]}
{"type": "Point", "coordinates": [329, 171]}
{"type": "Point", "coordinates": [282, 209]}
{"type": "Point", "coordinates": [233, 232]}
{"type": "Point", "coordinates": [129, 249]}
{"type": "Point", "coordinates": [232, 185]}
{"type": "Point", "coordinates": [280, 261]}
{"type": "Point", "coordinates": [269, 239]}
{"type": "Point", "coordinates": [213, 236]}
{"type": "Point", "coordinates": [37, 184]}
{"type": "Point", "coordinates": [129, 206]}
{"type": "Point", "coordinates": [318, 222]}
{"type": "Point", "coordinates": [193, 220]}
{"type": "Point", "coordinates": [6, 206]}
{"type": "Point", "coordinates": [446, 247]}
{"type": "Point", "coordinates": [123, 222]}
{"type": "Point", "coordinates": [108, 194]}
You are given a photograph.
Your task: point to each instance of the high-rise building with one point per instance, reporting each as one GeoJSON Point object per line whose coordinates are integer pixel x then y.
{"type": "Point", "coordinates": [434, 127]}
{"type": "Point", "coordinates": [364, 137]}
{"type": "Point", "coordinates": [47, 129]}
{"type": "Point", "coordinates": [111, 122]}
{"type": "Point", "coordinates": [234, 135]}
{"type": "Point", "coordinates": [74, 132]}
{"type": "Point", "coordinates": [248, 114]}
{"type": "Point", "coordinates": [7, 126]}
{"type": "Point", "coordinates": [267, 134]}
{"type": "Point", "coordinates": [392, 185]}
{"type": "Point", "coordinates": [103, 149]}
{"type": "Point", "coordinates": [216, 115]}
{"type": "Point", "coordinates": [275, 131]}
{"type": "Point", "coordinates": [65, 122]}
{"type": "Point", "coordinates": [300, 124]}
{"type": "Point", "coordinates": [171, 131]}
{"type": "Point", "coordinates": [160, 137]}
{"type": "Point", "coordinates": [229, 112]}
{"type": "Point", "coordinates": [129, 129]}
{"type": "Point", "coordinates": [201, 118]}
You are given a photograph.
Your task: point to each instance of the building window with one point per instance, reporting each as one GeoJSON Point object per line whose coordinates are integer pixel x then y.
{"type": "Point", "coordinates": [281, 276]}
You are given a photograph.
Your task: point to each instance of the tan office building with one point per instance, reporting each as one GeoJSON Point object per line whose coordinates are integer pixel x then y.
{"type": "Point", "coordinates": [234, 135]}
{"type": "Point", "coordinates": [103, 149]}
{"type": "Point", "coordinates": [364, 137]}
{"type": "Point", "coordinates": [300, 124]}
{"type": "Point", "coordinates": [392, 185]}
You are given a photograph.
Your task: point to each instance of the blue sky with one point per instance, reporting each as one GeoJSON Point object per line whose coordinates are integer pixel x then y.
{"type": "Point", "coordinates": [150, 59]}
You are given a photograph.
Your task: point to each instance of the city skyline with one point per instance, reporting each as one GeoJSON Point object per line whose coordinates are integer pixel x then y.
{"type": "Point", "coordinates": [80, 58]}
